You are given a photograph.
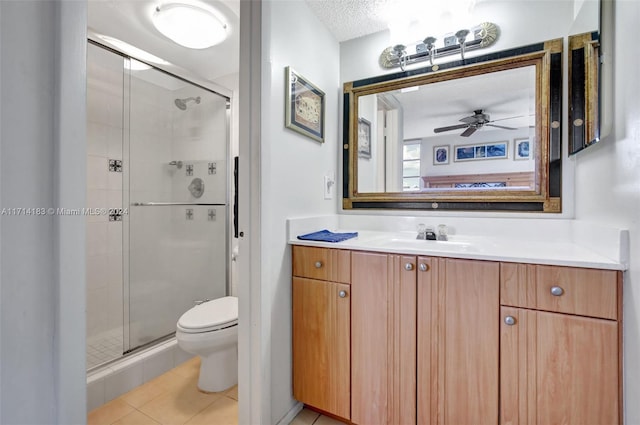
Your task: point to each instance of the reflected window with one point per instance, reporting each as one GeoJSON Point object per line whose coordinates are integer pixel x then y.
{"type": "Point", "coordinates": [411, 165]}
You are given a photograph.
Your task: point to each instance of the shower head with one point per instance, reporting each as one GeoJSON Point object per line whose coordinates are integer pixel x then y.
{"type": "Point", "coordinates": [182, 103]}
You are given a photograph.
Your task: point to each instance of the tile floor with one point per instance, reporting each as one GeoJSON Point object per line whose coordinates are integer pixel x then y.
{"type": "Point", "coordinates": [174, 399]}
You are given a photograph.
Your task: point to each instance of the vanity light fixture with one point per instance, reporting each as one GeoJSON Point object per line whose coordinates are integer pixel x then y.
{"type": "Point", "coordinates": [429, 45]}
{"type": "Point", "coordinates": [400, 52]}
{"type": "Point", "coordinates": [401, 55]}
{"type": "Point", "coordinates": [461, 36]}
{"type": "Point", "coordinates": [190, 26]}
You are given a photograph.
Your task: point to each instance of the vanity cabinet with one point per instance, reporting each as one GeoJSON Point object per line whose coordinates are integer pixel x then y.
{"type": "Point", "coordinates": [321, 329]}
{"type": "Point", "coordinates": [425, 346]}
{"type": "Point", "coordinates": [382, 338]}
{"type": "Point", "coordinates": [560, 341]}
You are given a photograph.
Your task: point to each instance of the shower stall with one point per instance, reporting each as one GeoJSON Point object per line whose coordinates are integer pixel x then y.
{"type": "Point", "coordinates": [157, 196]}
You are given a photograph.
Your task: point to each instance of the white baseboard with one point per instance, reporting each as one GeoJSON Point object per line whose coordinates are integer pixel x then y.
{"type": "Point", "coordinates": [288, 418]}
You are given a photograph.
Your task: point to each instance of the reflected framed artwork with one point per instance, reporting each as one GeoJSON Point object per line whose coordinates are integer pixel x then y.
{"type": "Point", "coordinates": [521, 149]}
{"type": "Point", "coordinates": [481, 151]}
{"type": "Point", "coordinates": [441, 155]}
{"type": "Point", "coordinates": [305, 106]}
{"type": "Point", "coordinates": [364, 138]}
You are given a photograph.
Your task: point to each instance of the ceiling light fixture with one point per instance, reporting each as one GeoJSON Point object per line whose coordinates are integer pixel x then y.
{"type": "Point", "coordinates": [190, 26]}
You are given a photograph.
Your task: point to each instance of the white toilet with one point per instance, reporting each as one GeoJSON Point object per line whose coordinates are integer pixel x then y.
{"type": "Point", "coordinates": [210, 330]}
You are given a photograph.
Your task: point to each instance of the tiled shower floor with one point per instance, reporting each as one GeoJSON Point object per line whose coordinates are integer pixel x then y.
{"type": "Point", "coordinates": [104, 348]}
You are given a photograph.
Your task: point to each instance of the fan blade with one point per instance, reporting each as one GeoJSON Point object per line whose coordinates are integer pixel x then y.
{"type": "Point", "coordinates": [451, 127]}
{"type": "Point", "coordinates": [510, 118]}
{"type": "Point", "coordinates": [468, 132]}
{"type": "Point", "coordinates": [501, 126]}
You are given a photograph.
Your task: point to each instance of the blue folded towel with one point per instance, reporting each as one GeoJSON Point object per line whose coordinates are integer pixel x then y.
{"type": "Point", "coordinates": [327, 236]}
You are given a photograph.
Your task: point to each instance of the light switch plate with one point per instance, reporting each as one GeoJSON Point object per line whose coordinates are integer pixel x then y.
{"type": "Point", "coordinates": [329, 183]}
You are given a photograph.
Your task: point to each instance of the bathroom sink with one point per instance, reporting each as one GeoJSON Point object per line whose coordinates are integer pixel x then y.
{"type": "Point", "coordinates": [426, 245]}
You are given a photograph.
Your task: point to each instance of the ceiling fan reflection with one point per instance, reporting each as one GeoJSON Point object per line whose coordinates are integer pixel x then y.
{"type": "Point", "coordinates": [473, 123]}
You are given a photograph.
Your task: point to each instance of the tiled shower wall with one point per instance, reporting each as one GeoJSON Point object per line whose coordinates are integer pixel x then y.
{"type": "Point", "coordinates": [104, 190]}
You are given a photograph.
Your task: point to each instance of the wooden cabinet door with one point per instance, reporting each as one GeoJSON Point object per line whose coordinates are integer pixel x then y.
{"type": "Point", "coordinates": [369, 338]}
{"type": "Point", "coordinates": [321, 339]}
{"type": "Point", "coordinates": [383, 338]}
{"type": "Point", "coordinates": [558, 369]}
{"type": "Point", "coordinates": [458, 342]}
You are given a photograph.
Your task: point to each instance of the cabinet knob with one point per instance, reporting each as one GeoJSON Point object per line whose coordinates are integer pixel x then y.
{"type": "Point", "coordinates": [423, 267]}
{"type": "Point", "coordinates": [408, 267]}
{"type": "Point", "coordinates": [557, 291]}
{"type": "Point", "coordinates": [342, 294]}
{"type": "Point", "coordinates": [510, 320]}
{"type": "Point", "coordinates": [318, 264]}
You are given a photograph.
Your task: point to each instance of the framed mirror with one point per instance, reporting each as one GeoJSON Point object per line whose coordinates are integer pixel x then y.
{"type": "Point", "coordinates": [478, 134]}
{"type": "Point", "coordinates": [584, 91]}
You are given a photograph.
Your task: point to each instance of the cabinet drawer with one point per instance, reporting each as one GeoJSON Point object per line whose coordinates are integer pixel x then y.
{"type": "Point", "coordinates": [586, 292]}
{"type": "Point", "coordinates": [322, 263]}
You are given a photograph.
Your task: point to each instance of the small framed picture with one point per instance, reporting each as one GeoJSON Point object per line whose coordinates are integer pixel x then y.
{"type": "Point", "coordinates": [364, 138]}
{"type": "Point", "coordinates": [497, 150]}
{"type": "Point", "coordinates": [441, 155]}
{"type": "Point", "coordinates": [465, 153]}
{"type": "Point", "coordinates": [521, 149]}
{"type": "Point", "coordinates": [305, 106]}
{"type": "Point", "coordinates": [481, 151]}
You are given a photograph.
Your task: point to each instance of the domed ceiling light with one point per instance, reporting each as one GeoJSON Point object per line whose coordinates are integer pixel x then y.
{"type": "Point", "coordinates": [190, 26]}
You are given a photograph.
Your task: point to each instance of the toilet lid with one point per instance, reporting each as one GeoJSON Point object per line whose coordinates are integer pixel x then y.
{"type": "Point", "coordinates": [209, 316]}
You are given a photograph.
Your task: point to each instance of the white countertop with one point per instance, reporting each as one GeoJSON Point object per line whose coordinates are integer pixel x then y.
{"type": "Point", "coordinates": [515, 248]}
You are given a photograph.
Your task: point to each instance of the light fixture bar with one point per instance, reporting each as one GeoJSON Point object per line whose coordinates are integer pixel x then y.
{"type": "Point", "coordinates": [485, 35]}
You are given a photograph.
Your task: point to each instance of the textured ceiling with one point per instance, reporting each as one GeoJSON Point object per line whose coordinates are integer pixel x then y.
{"type": "Point", "coordinates": [347, 19]}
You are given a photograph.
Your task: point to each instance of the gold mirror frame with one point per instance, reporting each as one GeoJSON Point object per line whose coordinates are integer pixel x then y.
{"type": "Point", "coordinates": [543, 197]}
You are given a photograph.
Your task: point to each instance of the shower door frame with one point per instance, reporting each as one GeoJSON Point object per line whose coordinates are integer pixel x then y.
{"type": "Point", "coordinates": [126, 201]}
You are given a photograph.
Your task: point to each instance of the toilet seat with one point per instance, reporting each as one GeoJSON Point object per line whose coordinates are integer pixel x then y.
{"type": "Point", "coordinates": [210, 316]}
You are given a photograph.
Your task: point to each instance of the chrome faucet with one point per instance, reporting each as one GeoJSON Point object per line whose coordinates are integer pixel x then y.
{"type": "Point", "coordinates": [443, 232]}
{"type": "Point", "coordinates": [425, 233]}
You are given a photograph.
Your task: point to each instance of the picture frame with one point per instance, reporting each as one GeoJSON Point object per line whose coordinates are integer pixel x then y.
{"type": "Point", "coordinates": [481, 151]}
{"type": "Point", "coordinates": [441, 155]}
{"type": "Point", "coordinates": [521, 149]}
{"type": "Point", "coordinates": [304, 106]}
{"type": "Point", "coordinates": [364, 138]}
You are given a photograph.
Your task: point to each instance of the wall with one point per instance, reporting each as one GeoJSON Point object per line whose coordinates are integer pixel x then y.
{"type": "Point", "coordinates": [42, 375]}
{"type": "Point", "coordinates": [293, 167]}
{"type": "Point", "coordinates": [610, 185]}
{"type": "Point", "coordinates": [26, 152]}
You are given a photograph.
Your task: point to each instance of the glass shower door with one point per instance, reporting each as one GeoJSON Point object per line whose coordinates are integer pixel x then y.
{"type": "Point", "coordinates": [177, 217]}
{"type": "Point", "coordinates": [105, 94]}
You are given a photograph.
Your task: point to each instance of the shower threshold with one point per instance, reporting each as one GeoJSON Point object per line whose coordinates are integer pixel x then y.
{"type": "Point", "coordinates": [105, 346]}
